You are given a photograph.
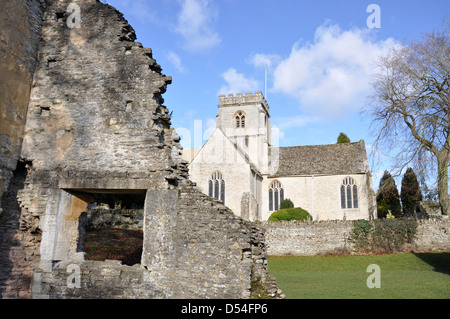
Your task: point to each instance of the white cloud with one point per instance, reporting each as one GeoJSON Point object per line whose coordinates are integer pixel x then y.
{"type": "Point", "coordinates": [238, 83]}
{"type": "Point", "coordinates": [195, 22]}
{"type": "Point", "coordinates": [296, 121]}
{"type": "Point", "coordinates": [260, 60]}
{"type": "Point", "coordinates": [176, 61]}
{"type": "Point", "coordinates": [331, 75]}
{"type": "Point", "coordinates": [293, 122]}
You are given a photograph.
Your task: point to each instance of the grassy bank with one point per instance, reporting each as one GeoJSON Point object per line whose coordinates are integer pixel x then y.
{"type": "Point", "coordinates": [409, 276]}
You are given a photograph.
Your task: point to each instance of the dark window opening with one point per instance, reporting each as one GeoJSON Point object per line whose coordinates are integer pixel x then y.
{"type": "Point", "coordinates": [111, 228]}
{"type": "Point", "coordinates": [216, 187]}
{"type": "Point", "coordinates": [51, 62]}
{"type": "Point", "coordinates": [60, 15]}
{"type": "Point", "coordinates": [355, 196]}
{"type": "Point", "coordinates": [270, 200]}
{"type": "Point", "coordinates": [276, 196]}
{"type": "Point", "coordinates": [342, 196]}
{"type": "Point", "coordinates": [349, 193]}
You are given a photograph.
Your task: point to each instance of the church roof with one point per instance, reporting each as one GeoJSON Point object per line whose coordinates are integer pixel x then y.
{"type": "Point", "coordinates": [332, 159]}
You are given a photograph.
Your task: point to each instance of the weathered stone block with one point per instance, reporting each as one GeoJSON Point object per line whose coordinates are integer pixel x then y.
{"type": "Point", "coordinates": [160, 220]}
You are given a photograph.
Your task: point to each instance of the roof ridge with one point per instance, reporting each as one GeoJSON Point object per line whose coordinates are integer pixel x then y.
{"type": "Point", "coordinates": [319, 145]}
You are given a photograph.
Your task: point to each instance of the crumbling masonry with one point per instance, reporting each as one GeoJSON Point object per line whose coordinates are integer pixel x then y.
{"type": "Point", "coordinates": [82, 114]}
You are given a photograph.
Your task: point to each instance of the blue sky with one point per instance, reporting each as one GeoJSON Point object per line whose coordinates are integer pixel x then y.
{"type": "Point", "coordinates": [320, 56]}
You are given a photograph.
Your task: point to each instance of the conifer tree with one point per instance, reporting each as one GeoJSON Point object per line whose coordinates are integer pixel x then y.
{"type": "Point", "coordinates": [388, 199]}
{"type": "Point", "coordinates": [343, 138]}
{"type": "Point", "coordinates": [410, 192]}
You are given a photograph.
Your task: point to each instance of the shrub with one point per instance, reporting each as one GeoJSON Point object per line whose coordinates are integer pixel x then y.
{"type": "Point", "coordinates": [290, 214]}
{"type": "Point", "coordinates": [286, 203]}
{"type": "Point", "coordinates": [390, 235]}
{"type": "Point", "coordinates": [360, 234]}
{"type": "Point", "coordinates": [383, 235]}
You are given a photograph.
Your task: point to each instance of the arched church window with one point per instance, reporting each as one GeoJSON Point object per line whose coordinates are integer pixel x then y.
{"type": "Point", "coordinates": [240, 120]}
{"type": "Point", "coordinates": [216, 186]}
{"type": "Point", "coordinates": [349, 193]}
{"type": "Point", "coordinates": [276, 196]}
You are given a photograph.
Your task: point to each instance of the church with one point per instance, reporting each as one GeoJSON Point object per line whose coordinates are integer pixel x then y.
{"type": "Point", "coordinates": [242, 165]}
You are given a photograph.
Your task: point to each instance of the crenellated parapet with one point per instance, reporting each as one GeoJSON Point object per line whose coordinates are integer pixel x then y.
{"type": "Point", "coordinates": [240, 99]}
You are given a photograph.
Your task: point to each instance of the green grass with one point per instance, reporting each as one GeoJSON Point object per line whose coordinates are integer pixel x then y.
{"type": "Point", "coordinates": [409, 276]}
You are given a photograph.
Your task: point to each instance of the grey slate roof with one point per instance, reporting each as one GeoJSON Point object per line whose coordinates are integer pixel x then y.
{"type": "Point", "coordinates": [332, 159]}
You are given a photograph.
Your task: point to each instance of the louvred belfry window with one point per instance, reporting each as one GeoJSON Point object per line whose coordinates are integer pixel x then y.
{"type": "Point", "coordinates": [240, 120]}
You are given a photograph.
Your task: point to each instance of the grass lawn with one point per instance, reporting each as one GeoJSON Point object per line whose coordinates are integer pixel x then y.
{"type": "Point", "coordinates": [411, 276]}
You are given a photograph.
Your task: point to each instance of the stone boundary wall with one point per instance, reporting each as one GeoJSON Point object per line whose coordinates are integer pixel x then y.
{"type": "Point", "coordinates": [299, 238]}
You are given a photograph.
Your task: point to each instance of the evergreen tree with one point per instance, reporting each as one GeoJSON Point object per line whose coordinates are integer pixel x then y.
{"type": "Point", "coordinates": [410, 193]}
{"type": "Point", "coordinates": [343, 138]}
{"type": "Point", "coordinates": [388, 198]}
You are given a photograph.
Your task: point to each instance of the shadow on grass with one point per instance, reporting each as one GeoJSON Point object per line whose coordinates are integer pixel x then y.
{"type": "Point", "coordinates": [440, 261]}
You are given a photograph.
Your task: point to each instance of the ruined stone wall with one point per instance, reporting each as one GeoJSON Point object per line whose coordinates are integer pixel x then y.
{"type": "Point", "coordinates": [206, 253]}
{"type": "Point", "coordinates": [96, 124]}
{"type": "Point", "coordinates": [20, 29]}
{"type": "Point", "coordinates": [222, 261]}
{"type": "Point", "coordinates": [96, 102]}
{"type": "Point", "coordinates": [328, 237]}
{"type": "Point", "coordinates": [110, 218]}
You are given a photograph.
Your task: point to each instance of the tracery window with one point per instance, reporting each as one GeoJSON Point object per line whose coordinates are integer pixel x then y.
{"type": "Point", "coordinates": [276, 196]}
{"type": "Point", "coordinates": [216, 186]}
{"type": "Point", "coordinates": [240, 120]}
{"type": "Point", "coordinates": [349, 193]}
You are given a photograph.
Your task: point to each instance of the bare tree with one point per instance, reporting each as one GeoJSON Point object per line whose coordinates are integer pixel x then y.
{"type": "Point", "coordinates": [410, 107]}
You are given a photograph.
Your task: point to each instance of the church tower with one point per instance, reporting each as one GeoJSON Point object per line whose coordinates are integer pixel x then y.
{"type": "Point", "coordinates": [244, 119]}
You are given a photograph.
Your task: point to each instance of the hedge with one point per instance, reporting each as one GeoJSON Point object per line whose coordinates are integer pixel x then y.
{"type": "Point", "coordinates": [290, 214]}
{"type": "Point", "coordinates": [383, 235]}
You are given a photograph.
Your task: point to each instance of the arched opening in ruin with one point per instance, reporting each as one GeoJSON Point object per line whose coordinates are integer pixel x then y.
{"type": "Point", "coordinates": [111, 224]}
